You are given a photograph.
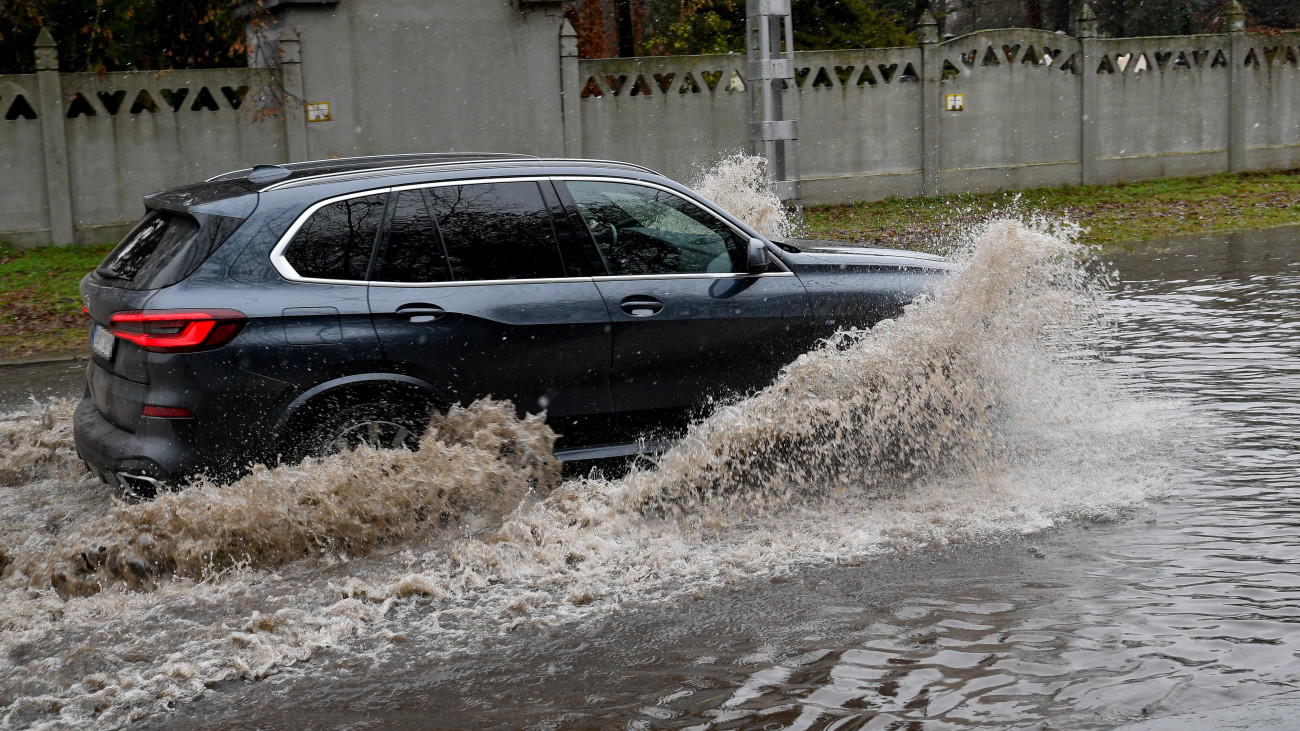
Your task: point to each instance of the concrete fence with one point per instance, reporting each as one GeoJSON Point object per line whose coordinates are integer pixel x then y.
{"type": "Point", "coordinates": [78, 151]}
{"type": "Point", "coordinates": [1001, 109]}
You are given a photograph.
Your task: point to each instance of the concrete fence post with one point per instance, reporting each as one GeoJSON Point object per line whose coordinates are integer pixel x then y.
{"type": "Point", "coordinates": [570, 91]}
{"type": "Point", "coordinates": [1088, 97]}
{"type": "Point", "coordinates": [293, 102]}
{"type": "Point", "coordinates": [1237, 87]}
{"type": "Point", "coordinates": [931, 76]}
{"type": "Point", "coordinates": [58, 185]}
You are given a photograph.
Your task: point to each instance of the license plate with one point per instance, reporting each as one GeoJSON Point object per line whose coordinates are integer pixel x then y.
{"type": "Point", "coordinates": [102, 342]}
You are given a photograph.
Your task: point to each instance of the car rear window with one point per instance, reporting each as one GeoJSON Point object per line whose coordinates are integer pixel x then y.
{"type": "Point", "coordinates": [164, 248]}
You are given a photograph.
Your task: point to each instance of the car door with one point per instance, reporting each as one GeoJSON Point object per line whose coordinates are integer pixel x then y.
{"type": "Point", "coordinates": [689, 321]}
{"type": "Point", "coordinates": [471, 294]}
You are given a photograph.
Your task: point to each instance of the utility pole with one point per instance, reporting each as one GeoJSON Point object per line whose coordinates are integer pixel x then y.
{"type": "Point", "coordinates": [773, 96]}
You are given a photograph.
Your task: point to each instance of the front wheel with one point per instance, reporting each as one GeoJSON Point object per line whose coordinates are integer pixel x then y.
{"type": "Point", "coordinates": [379, 424]}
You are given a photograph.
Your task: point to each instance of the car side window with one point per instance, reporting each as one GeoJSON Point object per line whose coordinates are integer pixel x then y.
{"type": "Point", "coordinates": [412, 252]}
{"type": "Point", "coordinates": [496, 231]}
{"type": "Point", "coordinates": [337, 240]}
{"type": "Point", "coordinates": [644, 230]}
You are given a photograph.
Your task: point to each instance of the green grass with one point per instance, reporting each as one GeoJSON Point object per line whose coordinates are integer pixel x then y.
{"type": "Point", "coordinates": [40, 311]}
{"type": "Point", "coordinates": [1115, 217]}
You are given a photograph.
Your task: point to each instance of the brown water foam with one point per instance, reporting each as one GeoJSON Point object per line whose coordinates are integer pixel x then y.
{"type": "Point", "coordinates": [908, 398]}
{"type": "Point", "coordinates": [968, 419]}
{"type": "Point", "coordinates": [37, 444]}
{"type": "Point", "coordinates": [740, 184]}
{"type": "Point", "coordinates": [946, 422]}
{"type": "Point", "coordinates": [474, 463]}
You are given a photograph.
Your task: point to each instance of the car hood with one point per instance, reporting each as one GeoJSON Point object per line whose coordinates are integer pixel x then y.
{"type": "Point", "coordinates": [813, 253]}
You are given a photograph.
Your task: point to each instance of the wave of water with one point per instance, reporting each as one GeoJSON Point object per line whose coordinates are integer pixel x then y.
{"type": "Point", "coordinates": [976, 415]}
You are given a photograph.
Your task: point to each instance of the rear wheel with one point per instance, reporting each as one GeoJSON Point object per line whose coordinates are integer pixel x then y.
{"type": "Point", "coordinates": [379, 424]}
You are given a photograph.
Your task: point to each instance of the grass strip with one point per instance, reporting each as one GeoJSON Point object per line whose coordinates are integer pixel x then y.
{"type": "Point", "coordinates": [1122, 217]}
{"type": "Point", "coordinates": [40, 308]}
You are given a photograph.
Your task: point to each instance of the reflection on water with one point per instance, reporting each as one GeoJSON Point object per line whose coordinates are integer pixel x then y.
{"type": "Point", "coordinates": [1102, 608]}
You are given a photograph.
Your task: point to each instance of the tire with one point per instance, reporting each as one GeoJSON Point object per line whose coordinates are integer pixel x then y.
{"type": "Point", "coordinates": [380, 424]}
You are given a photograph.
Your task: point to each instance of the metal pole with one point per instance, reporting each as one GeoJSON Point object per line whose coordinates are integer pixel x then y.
{"type": "Point", "coordinates": [773, 96]}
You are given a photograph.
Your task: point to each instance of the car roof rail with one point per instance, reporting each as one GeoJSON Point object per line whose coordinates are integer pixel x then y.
{"type": "Point", "coordinates": [374, 162]}
{"type": "Point", "coordinates": [486, 163]}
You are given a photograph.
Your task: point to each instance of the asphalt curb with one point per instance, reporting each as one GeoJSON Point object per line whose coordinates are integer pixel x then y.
{"type": "Point", "coordinates": [43, 361]}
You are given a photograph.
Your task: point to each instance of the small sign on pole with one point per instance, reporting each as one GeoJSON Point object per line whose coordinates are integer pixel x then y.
{"type": "Point", "coordinates": [955, 102]}
{"type": "Point", "coordinates": [318, 112]}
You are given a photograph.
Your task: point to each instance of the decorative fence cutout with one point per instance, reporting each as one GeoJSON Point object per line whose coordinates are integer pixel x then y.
{"type": "Point", "coordinates": [640, 87]}
{"type": "Point", "coordinates": [20, 107]}
{"type": "Point", "coordinates": [112, 101]}
{"type": "Point", "coordinates": [204, 100]}
{"type": "Point", "coordinates": [175, 98]}
{"type": "Point", "coordinates": [144, 103]}
{"type": "Point", "coordinates": [80, 106]}
{"type": "Point", "coordinates": [234, 95]}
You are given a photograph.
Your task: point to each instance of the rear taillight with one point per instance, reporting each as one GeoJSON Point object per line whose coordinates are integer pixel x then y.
{"type": "Point", "coordinates": [167, 412]}
{"type": "Point", "coordinates": [178, 331]}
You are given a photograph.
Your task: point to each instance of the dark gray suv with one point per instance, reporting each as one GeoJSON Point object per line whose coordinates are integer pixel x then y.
{"type": "Point", "coordinates": [295, 309]}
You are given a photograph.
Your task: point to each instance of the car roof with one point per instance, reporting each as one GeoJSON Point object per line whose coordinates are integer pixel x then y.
{"type": "Point", "coordinates": [341, 170]}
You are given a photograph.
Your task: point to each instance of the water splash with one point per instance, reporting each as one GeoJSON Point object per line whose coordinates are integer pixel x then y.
{"type": "Point", "coordinates": [740, 184]}
{"type": "Point", "coordinates": [976, 415]}
{"type": "Point", "coordinates": [908, 398]}
{"type": "Point", "coordinates": [37, 444]}
{"type": "Point", "coordinates": [474, 465]}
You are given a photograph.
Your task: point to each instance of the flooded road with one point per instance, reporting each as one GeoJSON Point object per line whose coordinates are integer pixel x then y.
{"type": "Point", "coordinates": [1119, 547]}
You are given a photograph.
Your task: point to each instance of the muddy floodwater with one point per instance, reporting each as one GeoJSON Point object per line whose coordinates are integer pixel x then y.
{"type": "Point", "coordinates": [1048, 498]}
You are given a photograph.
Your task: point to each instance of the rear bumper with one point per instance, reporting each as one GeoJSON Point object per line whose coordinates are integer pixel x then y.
{"type": "Point", "coordinates": [160, 450]}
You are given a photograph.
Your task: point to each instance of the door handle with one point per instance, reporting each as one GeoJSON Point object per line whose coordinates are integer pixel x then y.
{"type": "Point", "coordinates": [420, 312]}
{"type": "Point", "coordinates": [641, 306]}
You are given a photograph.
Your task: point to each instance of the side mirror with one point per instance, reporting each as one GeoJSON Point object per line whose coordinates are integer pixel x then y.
{"type": "Point", "coordinates": [758, 261]}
